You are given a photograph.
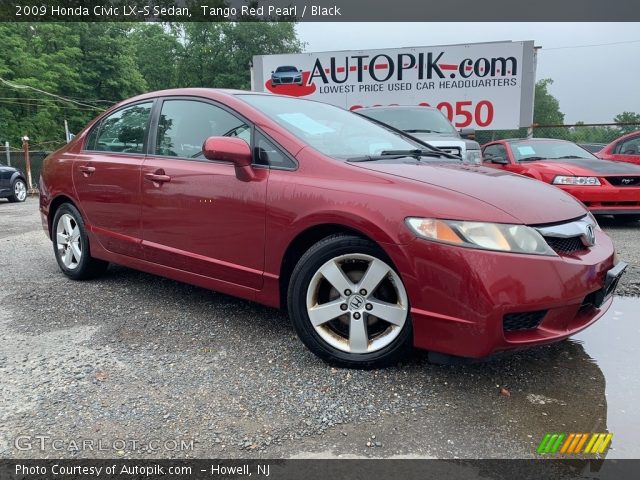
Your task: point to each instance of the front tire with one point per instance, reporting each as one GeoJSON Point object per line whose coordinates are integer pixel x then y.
{"type": "Point", "coordinates": [19, 189]}
{"type": "Point", "coordinates": [348, 304]}
{"type": "Point", "coordinates": [71, 245]}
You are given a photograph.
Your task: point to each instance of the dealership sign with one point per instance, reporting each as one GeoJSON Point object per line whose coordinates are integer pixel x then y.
{"type": "Point", "coordinates": [482, 85]}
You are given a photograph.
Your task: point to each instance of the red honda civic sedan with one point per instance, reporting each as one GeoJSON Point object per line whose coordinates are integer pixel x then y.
{"type": "Point", "coordinates": [372, 240]}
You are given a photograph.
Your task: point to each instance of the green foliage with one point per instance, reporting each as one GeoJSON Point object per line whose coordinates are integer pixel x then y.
{"type": "Point", "coordinates": [628, 117]}
{"type": "Point", "coordinates": [101, 63]}
{"type": "Point", "coordinates": [546, 111]}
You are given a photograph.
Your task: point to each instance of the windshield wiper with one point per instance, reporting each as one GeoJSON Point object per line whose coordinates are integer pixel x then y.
{"type": "Point", "coordinates": [396, 154]}
{"type": "Point", "coordinates": [532, 159]}
{"type": "Point", "coordinates": [416, 152]}
{"type": "Point", "coordinates": [419, 130]}
{"type": "Point", "coordinates": [566, 156]}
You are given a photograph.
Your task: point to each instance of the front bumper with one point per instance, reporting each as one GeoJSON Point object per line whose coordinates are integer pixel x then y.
{"type": "Point", "coordinates": [460, 296]}
{"type": "Point", "coordinates": [286, 81]}
{"type": "Point", "coordinates": [607, 199]}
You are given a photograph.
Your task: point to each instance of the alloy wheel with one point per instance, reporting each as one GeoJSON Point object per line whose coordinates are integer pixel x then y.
{"type": "Point", "coordinates": [357, 303]}
{"type": "Point", "coordinates": [68, 242]}
{"type": "Point", "coordinates": [20, 191]}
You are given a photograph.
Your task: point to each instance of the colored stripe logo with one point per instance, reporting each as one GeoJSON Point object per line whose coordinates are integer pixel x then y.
{"type": "Point", "coordinates": [573, 443]}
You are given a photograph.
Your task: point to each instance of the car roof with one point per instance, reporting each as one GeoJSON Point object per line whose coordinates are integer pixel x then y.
{"type": "Point", "coordinates": [537, 139]}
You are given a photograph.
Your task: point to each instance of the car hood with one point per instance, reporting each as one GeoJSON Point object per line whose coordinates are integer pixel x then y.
{"type": "Point", "coordinates": [587, 166]}
{"type": "Point", "coordinates": [526, 200]}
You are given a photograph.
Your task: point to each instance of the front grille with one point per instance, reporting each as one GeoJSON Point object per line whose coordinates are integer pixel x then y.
{"type": "Point", "coordinates": [565, 245]}
{"type": "Point", "coordinates": [624, 181]}
{"type": "Point", "coordinates": [513, 322]}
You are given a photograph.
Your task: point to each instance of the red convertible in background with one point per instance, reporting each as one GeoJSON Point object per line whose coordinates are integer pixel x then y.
{"type": "Point", "coordinates": [606, 188]}
{"type": "Point", "coordinates": [623, 149]}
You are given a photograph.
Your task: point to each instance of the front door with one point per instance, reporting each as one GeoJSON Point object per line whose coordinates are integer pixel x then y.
{"type": "Point", "coordinates": [197, 216]}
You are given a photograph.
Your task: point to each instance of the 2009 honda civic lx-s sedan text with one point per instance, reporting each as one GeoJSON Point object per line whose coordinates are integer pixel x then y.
{"type": "Point", "coordinates": [372, 240]}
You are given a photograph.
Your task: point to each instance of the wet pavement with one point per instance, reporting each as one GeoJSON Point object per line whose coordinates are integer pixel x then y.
{"type": "Point", "coordinates": [131, 355]}
{"type": "Point", "coordinates": [612, 346]}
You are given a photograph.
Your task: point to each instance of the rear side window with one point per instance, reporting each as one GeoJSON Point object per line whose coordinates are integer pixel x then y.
{"type": "Point", "coordinates": [123, 131]}
{"type": "Point", "coordinates": [184, 125]}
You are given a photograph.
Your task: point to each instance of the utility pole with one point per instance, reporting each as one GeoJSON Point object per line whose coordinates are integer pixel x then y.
{"type": "Point", "coordinates": [27, 161]}
{"type": "Point", "coordinates": [8, 152]}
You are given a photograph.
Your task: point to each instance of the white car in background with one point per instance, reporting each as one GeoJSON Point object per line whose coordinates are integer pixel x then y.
{"type": "Point", "coordinates": [429, 125]}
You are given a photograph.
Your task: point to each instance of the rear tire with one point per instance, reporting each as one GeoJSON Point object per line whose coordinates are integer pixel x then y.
{"type": "Point", "coordinates": [71, 245]}
{"type": "Point", "coordinates": [358, 303]}
{"type": "Point", "coordinates": [19, 189]}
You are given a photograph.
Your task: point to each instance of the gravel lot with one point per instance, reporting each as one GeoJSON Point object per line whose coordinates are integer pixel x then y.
{"type": "Point", "coordinates": [142, 364]}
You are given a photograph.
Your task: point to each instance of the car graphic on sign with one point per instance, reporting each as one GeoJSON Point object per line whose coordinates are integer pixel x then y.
{"type": "Point", "coordinates": [286, 75]}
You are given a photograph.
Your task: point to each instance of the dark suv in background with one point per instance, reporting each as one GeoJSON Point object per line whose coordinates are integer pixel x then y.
{"type": "Point", "coordinates": [13, 184]}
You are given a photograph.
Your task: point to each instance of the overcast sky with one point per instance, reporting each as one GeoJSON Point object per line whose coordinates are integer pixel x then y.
{"type": "Point", "coordinates": [592, 84]}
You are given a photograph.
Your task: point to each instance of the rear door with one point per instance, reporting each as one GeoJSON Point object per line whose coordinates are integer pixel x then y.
{"type": "Point", "coordinates": [106, 177]}
{"type": "Point", "coordinates": [197, 216]}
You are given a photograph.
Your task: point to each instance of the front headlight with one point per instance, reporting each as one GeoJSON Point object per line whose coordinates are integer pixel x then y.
{"type": "Point", "coordinates": [473, 156]}
{"type": "Point", "coordinates": [488, 236]}
{"type": "Point", "coordinates": [582, 181]}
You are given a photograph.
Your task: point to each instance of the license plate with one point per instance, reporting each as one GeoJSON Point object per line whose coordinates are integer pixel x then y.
{"type": "Point", "coordinates": [610, 283]}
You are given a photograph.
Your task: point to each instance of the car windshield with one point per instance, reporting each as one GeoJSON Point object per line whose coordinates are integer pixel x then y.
{"type": "Point", "coordinates": [286, 69]}
{"type": "Point", "coordinates": [330, 130]}
{"type": "Point", "coordinates": [552, 150]}
{"type": "Point", "coordinates": [416, 120]}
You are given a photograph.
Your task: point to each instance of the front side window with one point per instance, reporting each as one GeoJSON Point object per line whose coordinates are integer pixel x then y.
{"type": "Point", "coordinates": [495, 151]}
{"type": "Point", "coordinates": [266, 153]}
{"type": "Point", "coordinates": [123, 131]}
{"type": "Point", "coordinates": [629, 147]}
{"type": "Point", "coordinates": [184, 125]}
{"type": "Point", "coordinates": [330, 130]}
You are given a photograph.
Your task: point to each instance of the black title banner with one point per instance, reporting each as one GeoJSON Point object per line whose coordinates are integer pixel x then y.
{"type": "Point", "coordinates": [319, 10]}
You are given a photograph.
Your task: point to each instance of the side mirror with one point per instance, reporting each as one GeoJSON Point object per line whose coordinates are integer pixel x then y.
{"type": "Point", "coordinates": [233, 150]}
{"type": "Point", "coordinates": [499, 160]}
{"type": "Point", "coordinates": [468, 133]}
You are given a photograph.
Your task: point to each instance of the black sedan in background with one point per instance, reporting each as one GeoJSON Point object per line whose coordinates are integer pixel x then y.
{"type": "Point", "coordinates": [13, 184]}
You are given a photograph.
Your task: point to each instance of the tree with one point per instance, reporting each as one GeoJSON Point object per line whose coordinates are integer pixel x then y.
{"type": "Point", "coordinates": [218, 54]}
{"type": "Point", "coordinates": [628, 117]}
{"type": "Point", "coordinates": [156, 48]}
{"type": "Point", "coordinates": [88, 66]}
{"type": "Point", "coordinates": [546, 109]}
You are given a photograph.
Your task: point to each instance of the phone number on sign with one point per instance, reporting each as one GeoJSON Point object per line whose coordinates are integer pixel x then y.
{"type": "Point", "coordinates": [461, 114]}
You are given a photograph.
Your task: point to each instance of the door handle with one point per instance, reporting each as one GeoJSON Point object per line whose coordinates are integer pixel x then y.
{"type": "Point", "coordinates": [157, 177]}
{"type": "Point", "coordinates": [86, 170]}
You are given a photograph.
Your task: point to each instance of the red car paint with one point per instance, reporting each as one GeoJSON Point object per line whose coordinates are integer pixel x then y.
{"type": "Point", "coordinates": [240, 236]}
{"type": "Point", "coordinates": [619, 189]}
{"type": "Point", "coordinates": [623, 149]}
